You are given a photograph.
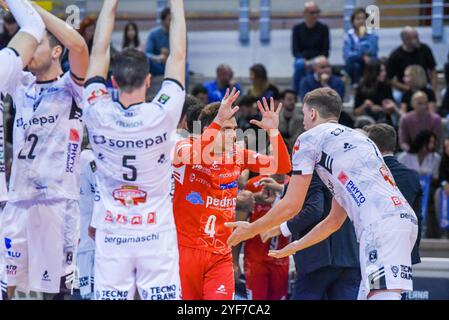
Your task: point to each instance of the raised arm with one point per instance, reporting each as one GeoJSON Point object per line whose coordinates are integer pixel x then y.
{"type": "Point", "coordinates": [31, 29]}
{"type": "Point", "coordinates": [324, 229]}
{"type": "Point", "coordinates": [284, 210]}
{"type": "Point", "coordinates": [175, 68]}
{"type": "Point", "coordinates": [72, 40]}
{"type": "Point", "coordinates": [100, 56]}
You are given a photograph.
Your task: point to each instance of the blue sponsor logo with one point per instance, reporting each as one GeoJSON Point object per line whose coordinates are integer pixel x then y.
{"type": "Point", "coordinates": [195, 198]}
{"type": "Point", "coordinates": [11, 253]}
{"type": "Point", "coordinates": [230, 185]}
{"type": "Point", "coordinates": [163, 293]}
{"type": "Point", "coordinates": [355, 193]}
{"type": "Point", "coordinates": [111, 295]}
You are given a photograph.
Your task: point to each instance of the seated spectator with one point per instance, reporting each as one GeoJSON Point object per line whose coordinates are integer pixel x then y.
{"type": "Point", "coordinates": [291, 119]}
{"type": "Point", "coordinates": [374, 95]}
{"type": "Point", "coordinates": [131, 37]}
{"type": "Point", "coordinates": [260, 85]}
{"type": "Point", "coordinates": [416, 79]}
{"type": "Point", "coordinates": [201, 93]}
{"type": "Point", "coordinates": [422, 156]}
{"type": "Point", "coordinates": [10, 28]}
{"type": "Point", "coordinates": [360, 46]}
{"type": "Point", "coordinates": [417, 120]}
{"type": "Point", "coordinates": [310, 39]}
{"type": "Point", "coordinates": [158, 46]}
{"type": "Point", "coordinates": [443, 177]}
{"type": "Point", "coordinates": [411, 52]}
{"type": "Point", "coordinates": [225, 79]}
{"type": "Point", "coordinates": [322, 77]}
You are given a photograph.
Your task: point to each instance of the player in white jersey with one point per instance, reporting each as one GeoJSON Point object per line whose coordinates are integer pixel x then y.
{"type": "Point", "coordinates": [364, 190]}
{"type": "Point", "coordinates": [135, 242]}
{"type": "Point", "coordinates": [40, 219]}
{"type": "Point", "coordinates": [12, 60]}
{"type": "Point", "coordinates": [86, 248]}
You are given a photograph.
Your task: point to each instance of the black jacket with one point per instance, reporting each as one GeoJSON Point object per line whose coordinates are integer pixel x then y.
{"type": "Point", "coordinates": [339, 250]}
{"type": "Point", "coordinates": [407, 181]}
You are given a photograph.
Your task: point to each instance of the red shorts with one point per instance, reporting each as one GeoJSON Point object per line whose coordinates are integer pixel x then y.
{"type": "Point", "coordinates": [205, 275]}
{"type": "Point", "coordinates": [266, 281]}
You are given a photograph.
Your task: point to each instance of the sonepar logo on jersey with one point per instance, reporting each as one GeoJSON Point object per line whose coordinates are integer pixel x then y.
{"type": "Point", "coordinates": [130, 144]}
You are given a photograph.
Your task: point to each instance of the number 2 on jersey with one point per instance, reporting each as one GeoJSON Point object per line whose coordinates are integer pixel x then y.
{"type": "Point", "coordinates": [210, 226]}
{"type": "Point", "coordinates": [33, 139]}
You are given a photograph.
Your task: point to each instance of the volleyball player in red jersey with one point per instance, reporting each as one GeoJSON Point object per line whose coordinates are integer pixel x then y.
{"type": "Point", "coordinates": [206, 170]}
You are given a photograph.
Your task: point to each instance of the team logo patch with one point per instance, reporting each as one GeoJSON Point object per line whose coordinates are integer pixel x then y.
{"type": "Point", "coordinates": [396, 201]}
{"type": "Point", "coordinates": [74, 135]}
{"type": "Point", "coordinates": [163, 99]}
{"type": "Point", "coordinates": [96, 94]}
{"type": "Point", "coordinates": [372, 256]}
{"type": "Point", "coordinates": [129, 195]}
{"type": "Point", "coordinates": [387, 176]}
{"type": "Point", "coordinates": [195, 198]}
{"type": "Point", "coordinates": [296, 147]}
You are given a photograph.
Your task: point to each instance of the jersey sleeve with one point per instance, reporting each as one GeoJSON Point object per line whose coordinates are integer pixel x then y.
{"type": "Point", "coordinates": [305, 154]}
{"type": "Point", "coordinates": [95, 95]}
{"type": "Point", "coordinates": [171, 98]}
{"type": "Point", "coordinates": [10, 70]}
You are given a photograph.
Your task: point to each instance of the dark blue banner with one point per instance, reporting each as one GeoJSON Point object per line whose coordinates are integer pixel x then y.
{"type": "Point", "coordinates": [444, 210]}
{"type": "Point", "coordinates": [425, 185]}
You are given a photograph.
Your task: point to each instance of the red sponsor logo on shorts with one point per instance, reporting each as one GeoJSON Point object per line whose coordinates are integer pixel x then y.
{"type": "Point", "coordinates": [136, 220]}
{"type": "Point", "coordinates": [74, 135]}
{"type": "Point", "coordinates": [109, 218]}
{"type": "Point", "coordinates": [343, 178]}
{"type": "Point", "coordinates": [121, 219]}
{"type": "Point", "coordinates": [151, 219]}
{"type": "Point", "coordinates": [396, 201]}
{"type": "Point", "coordinates": [128, 195]}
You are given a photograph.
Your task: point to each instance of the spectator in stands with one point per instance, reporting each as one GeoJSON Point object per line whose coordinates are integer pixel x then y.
{"type": "Point", "coordinates": [310, 39]}
{"type": "Point", "coordinates": [411, 52]}
{"type": "Point", "coordinates": [260, 85]}
{"type": "Point", "coordinates": [415, 78]}
{"type": "Point", "coordinates": [374, 95]}
{"type": "Point", "coordinates": [224, 80]}
{"type": "Point", "coordinates": [417, 120]}
{"type": "Point", "coordinates": [87, 30]}
{"type": "Point", "coordinates": [131, 37]}
{"type": "Point", "coordinates": [247, 112]}
{"type": "Point", "coordinates": [422, 156]}
{"type": "Point", "coordinates": [323, 271]}
{"type": "Point", "coordinates": [407, 180]}
{"type": "Point", "coordinates": [360, 46]}
{"type": "Point", "coordinates": [158, 47]}
{"type": "Point", "coordinates": [201, 93]}
{"type": "Point", "coordinates": [322, 77]}
{"type": "Point", "coordinates": [291, 119]}
{"type": "Point", "coordinates": [10, 28]}
{"type": "Point", "coordinates": [444, 109]}
{"type": "Point", "coordinates": [192, 115]}
{"type": "Point", "coordinates": [443, 177]}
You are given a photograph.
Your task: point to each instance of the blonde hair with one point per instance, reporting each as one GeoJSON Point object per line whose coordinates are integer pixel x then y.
{"type": "Point", "coordinates": [418, 75]}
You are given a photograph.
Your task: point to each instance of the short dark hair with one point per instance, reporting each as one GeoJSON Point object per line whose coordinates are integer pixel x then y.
{"type": "Point", "coordinates": [165, 13]}
{"type": "Point", "coordinates": [326, 101]}
{"type": "Point", "coordinates": [383, 135]}
{"type": "Point", "coordinates": [199, 88]}
{"type": "Point", "coordinates": [422, 139]}
{"type": "Point", "coordinates": [260, 72]}
{"type": "Point", "coordinates": [189, 102]}
{"type": "Point", "coordinates": [192, 115]}
{"type": "Point", "coordinates": [208, 114]}
{"type": "Point", "coordinates": [356, 12]}
{"type": "Point", "coordinates": [288, 91]}
{"type": "Point", "coordinates": [130, 69]}
{"type": "Point", "coordinates": [54, 42]}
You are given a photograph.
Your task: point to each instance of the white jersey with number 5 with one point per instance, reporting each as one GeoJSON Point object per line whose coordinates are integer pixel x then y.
{"type": "Point", "coordinates": [353, 169]}
{"type": "Point", "coordinates": [10, 72]}
{"type": "Point", "coordinates": [132, 147]}
{"type": "Point", "coordinates": [48, 132]}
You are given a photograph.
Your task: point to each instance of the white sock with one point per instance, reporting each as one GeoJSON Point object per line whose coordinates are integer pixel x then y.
{"type": "Point", "coordinates": [27, 18]}
{"type": "Point", "coordinates": [386, 295]}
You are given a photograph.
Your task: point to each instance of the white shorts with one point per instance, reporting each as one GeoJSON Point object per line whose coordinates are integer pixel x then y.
{"type": "Point", "coordinates": [85, 262]}
{"type": "Point", "coordinates": [148, 263]}
{"type": "Point", "coordinates": [385, 254]}
{"type": "Point", "coordinates": [37, 241]}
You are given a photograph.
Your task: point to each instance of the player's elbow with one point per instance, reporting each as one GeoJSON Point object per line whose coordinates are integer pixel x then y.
{"type": "Point", "coordinates": [79, 46]}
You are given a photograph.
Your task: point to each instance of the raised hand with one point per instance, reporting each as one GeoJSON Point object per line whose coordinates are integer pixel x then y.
{"type": "Point", "coordinates": [270, 116]}
{"type": "Point", "coordinates": [226, 110]}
